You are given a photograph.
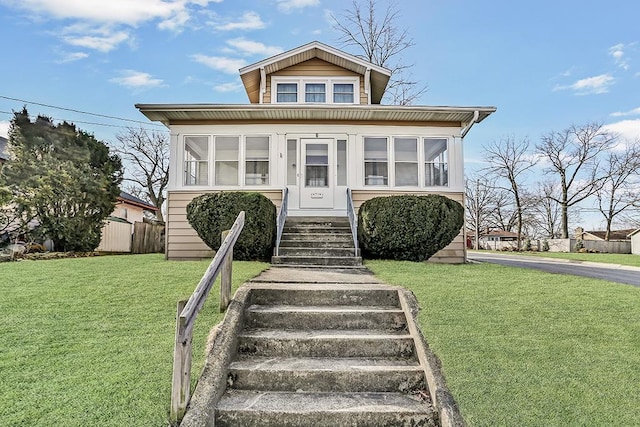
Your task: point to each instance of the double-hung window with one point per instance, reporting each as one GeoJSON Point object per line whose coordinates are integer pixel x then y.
{"type": "Point", "coordinates": [406, 161]}
{"type": "Point", "coordinates": [376, 166]}
{"type": "Point", "coordinates": [343, 93]}
{"type": "Point", "coordinates": [226, 160]}
{"type": "Point", "coordinates": [436, 169]}
{"type": "Point", "coordinates": [287, 92]}
{"type": "Point", "coordinates": [256, 160]}
{"type": "Point", "coordinates": [196, 160]}
{"type": "Point", "coordinates": [315, 92]}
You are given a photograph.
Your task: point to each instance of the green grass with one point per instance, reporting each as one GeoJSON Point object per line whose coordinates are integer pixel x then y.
{"type": "Point", "coordinates": [622, 259]}
{"type": "Point", "coordinates": [89, 341]}
{"type": "Point", "coordinates": [525, 348]}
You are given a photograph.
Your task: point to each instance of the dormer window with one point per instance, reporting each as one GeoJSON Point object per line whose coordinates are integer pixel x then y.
{"type": "Point", "coordinates": [331, 90]}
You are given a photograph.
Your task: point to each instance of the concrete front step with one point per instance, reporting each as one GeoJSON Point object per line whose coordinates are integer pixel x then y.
{"type": "Point", "coordinates": [316, 296]}
{"type": "Point", "coordinates": [319, 260]}
{"type": "Point", "coordinates": [325, 343]}
{"type": "Point", "coordinates": [317, 252]}
{"type": "Point", "coordinates": [326, 374]}
{"type": "Point", "coordinates": [310, 243]}
{"type": "Point", "coordinates": [325, 317]}
{"type": "Point", "coordinates": [287, 409]}
{"type": "Point", "coordinates": [322, 237]}
{"type": "Point", "coordinates": [317, 228]}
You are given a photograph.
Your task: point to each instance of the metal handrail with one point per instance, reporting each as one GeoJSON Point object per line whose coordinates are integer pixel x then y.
{"type": "Point", "coordinates": [188, 310]}
{"type": "Point", "coordinates": [353, 220]}
{"type": "Point", "coordinates": [282, 217]}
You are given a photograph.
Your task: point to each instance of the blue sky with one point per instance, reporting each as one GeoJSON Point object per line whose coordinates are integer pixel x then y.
{"type": "Point", "coordinates": [545, 65]}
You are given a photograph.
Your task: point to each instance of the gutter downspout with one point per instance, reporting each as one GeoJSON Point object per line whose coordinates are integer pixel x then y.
{"type": "Point", "coordinates": [476, 115]}
{"type": "Point", "coordinates": [263, 84]}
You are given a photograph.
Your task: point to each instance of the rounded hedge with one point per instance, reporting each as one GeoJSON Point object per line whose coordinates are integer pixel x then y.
{"type": "Point", "coordinates": [211, 214]}
{"type": "Point", "coordinates": [411, 228]}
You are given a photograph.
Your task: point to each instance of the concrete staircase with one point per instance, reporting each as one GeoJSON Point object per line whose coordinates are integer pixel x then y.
{"type": "Point", "coordinates": [324, 355]}
{"type": "Point", "coordinates": [317, 242]}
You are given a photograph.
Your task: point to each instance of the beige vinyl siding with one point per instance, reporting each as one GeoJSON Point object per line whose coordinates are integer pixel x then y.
{"type": "Point", "coordinates": [454, 253]}
{"type": "Point", "coordinates": [315, 68]}
{"type": "Point", "coordinates": [182, 241]}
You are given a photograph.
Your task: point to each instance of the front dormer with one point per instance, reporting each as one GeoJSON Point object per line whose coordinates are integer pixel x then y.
{"type": "Point", "coordinates": [315, 74]}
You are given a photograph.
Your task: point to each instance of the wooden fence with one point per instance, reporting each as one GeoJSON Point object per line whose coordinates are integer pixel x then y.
{"type": "Point", "coordinates": [147, 238]}
{"type": "Point", "coordinates": [187, 312]}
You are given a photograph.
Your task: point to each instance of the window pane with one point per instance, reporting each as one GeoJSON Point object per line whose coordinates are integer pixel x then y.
{"type": "Point", "coordinates": [317, 154]}
{"type": "Point", "coordinates": [376, 169]}
{"type": "Point", "coordinates": [196, 156]}
{"type": "Point", "coordinates": [341, 165]}
{"type": "Point", "coordinates": [407, 174]}
{"type": "Point", "coordinates": [257, 160]}
{"type": "Point", "coordinates": [343, 93]}
{"type": "Point", "coordinates": [406, 149]}
{"type": "Point", "coordinates": [292, 159]}
{"type": "Point", "coordinates": [287, 92]}
{"type": "Point", "coordinates": [226, 160]}
{"type": "Point", "coordinates": [314, 92]}
{"type": "Point", "coordinates": [317, 165]}
{"type": "Point", "coordinates": [436, 162]}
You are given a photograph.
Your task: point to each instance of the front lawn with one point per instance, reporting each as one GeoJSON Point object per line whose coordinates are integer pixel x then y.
{"type": "Point", "coordinates": [525, 348]}
{"type": "Point", "coordinates": [622, 259]}
{"type": "Point", "coordinates": [89, 341]}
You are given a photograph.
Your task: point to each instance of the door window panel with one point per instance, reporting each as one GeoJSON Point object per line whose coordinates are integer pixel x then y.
{"type": "Point", "coordinates": [317, 165]}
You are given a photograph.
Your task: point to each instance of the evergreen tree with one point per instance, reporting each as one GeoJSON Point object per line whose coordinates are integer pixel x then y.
{"type": "Point", "coordinates": [62, 177]}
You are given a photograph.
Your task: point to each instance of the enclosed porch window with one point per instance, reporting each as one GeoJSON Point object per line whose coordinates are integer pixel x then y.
{"type": "Point", "coordinates": [376, 165]}
{"type": "Point", "coordinates": [226, 160]}
{"type": "Point", "coordinates": [196, 160]}
{"type": "Point", "coordinates": [257, 160]}
{"type": "Point", "coordinates": [436, 168]}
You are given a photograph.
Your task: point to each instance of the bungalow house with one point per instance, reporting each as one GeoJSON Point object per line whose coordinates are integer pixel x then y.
{"type": "Point", "coordinates": [498, 239]}
{"type": "Point", "coordinates": [119, 226]}
{"type": "Point", "coordinates": [315, 126]}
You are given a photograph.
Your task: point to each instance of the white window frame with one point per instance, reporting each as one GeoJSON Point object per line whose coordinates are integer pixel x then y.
{"type": "Point", "coordinates": [391, 161]}
{"type": "Point", "coordinates": [300, 83]}
{"type": "Point", "coordinates": [245, 159]}
{"type": "Point", "coordinates": [208, 160]}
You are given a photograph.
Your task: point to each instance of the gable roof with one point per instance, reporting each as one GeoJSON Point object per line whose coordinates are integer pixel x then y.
{"type": "Point", "coordinates": [250, 74]}
{"type": "Point", "coordinates": [633, 233]}
{"type": "Point", "coordinates": [613, 234]}
{"type": "Point", "coordinates": [4, 156]}
{"type": "Point", "coordinates": [133, 200]}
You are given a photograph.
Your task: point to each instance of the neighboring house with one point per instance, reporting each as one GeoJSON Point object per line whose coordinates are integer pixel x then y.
{"type": "Point", "coordinates": [4, 155]}
{"type": "Point", "coordinates": [635, 241]}
{"type": "Point", "coordinates": [315, 126]}
{"type": "Point", "coordinates": [498, 239]}
{"type": "Point", "coordinates": [119, 226]}
{"type": "Point", "coordinates": [614, 235]}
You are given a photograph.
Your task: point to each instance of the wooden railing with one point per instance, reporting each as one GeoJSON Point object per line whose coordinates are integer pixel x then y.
{"type": "Point", "coordinates": [282, 217]}
{"type": "Point", "coordinates": [353, 221]}
{"type": "Point", "coordinates": [186, 316]}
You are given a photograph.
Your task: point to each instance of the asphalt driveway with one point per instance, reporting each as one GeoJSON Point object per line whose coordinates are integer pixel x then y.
{"type": "Point", "coordinates": [611, 272]}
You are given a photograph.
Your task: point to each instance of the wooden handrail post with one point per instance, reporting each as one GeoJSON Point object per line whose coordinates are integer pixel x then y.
{"type": "Point", "coordinates": [225, 277]}
{"type": "Point", "coordinates": [181, 383]}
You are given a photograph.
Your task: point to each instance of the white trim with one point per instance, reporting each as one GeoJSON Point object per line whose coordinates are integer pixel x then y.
{"type": "Point", "coordinates": [263, 84]}
{"type": "Point", "coordinates": [300, 83]}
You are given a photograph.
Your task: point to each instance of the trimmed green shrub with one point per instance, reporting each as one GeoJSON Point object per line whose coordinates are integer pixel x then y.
{"type": "Point", "coordinates": [411, 228]}
{"type": "Point", "coordinates": [211, 214]}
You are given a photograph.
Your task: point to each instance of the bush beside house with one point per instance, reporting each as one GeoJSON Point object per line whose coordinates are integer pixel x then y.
{"type": "Point", "coordinates": [407, 227]}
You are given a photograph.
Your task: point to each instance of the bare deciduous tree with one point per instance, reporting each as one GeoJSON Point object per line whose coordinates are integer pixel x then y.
{"type": "Point", "coordinates": [146, 159]}
{"type": "Point", "coordinates": [380, 41]}
{"type": "Point", "coordinates": [572, 156]}
{"type": "Point", "coordinates": [480, 201]}
{"type": "Point", "coordinates": [509, 161]}
{"type": "Point", "coordinates": [621, 172]}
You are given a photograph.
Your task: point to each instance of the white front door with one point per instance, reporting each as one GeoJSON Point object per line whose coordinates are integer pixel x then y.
{"type": "Point", "coordinates": [316, 191]}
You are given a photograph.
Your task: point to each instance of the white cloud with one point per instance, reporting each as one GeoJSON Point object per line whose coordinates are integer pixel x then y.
{"type": "Point", "coordinates": [590, 85]}
{"type": "Point", "coordinates": [220, 63]}
{"type": "Point", "coordinates": [228, 87]}
{"type": "Point", "coordinates": [634, 112]}
{"type": "Point", "coordinates": [290, 5]}
{"type": "Point", "coordinates": [136, 79]}
{"type": "Point", "coordinates": [72, 57]}
{"type": "Point", "coordinates": [248, 21]}
{"type": "Point", "coordinates": [618, 54]}
{"type": "Point", "coordinates": [103, 39]}
{"type": "Point", "coordinates": [627, 129]}
{"type": "Point", "coordinates": [4, 129]}
{"type": "Point", "coordinates": [249, 47]}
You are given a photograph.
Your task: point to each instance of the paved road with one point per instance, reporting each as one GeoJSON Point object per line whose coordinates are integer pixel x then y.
{"type": "Point", "coordinates": [610, 272]}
